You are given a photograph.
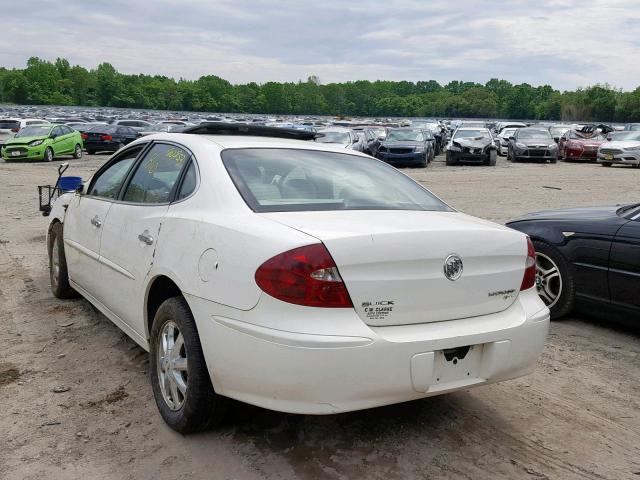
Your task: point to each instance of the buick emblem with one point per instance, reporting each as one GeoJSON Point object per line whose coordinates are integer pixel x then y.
{"type": "Point", "coordinates": [452, 267]}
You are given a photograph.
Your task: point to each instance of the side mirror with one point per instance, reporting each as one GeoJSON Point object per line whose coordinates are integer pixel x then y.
{"type": "Point", "coordinates": [81, 189]}
{"type": "Point", "coordinates": [512, 138]}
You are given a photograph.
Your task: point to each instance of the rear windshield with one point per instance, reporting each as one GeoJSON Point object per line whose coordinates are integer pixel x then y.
{"type": "Point", "coordinates": [291, 180]}
{"type": "Point", "coordinates": [9, 124]}
{"type": "Point", "coordinates": [334, 137]}
{"type": "Point", "coordinates": [102, 129]}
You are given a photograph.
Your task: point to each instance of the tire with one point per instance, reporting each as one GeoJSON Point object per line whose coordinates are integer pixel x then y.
{"type": "Point", "coordinates": [91, 152]}
{"type": "Point", "coordinates": [450, 161]}
{"type": "Point", "coordinates": [548, 257]}
{"type": "Point", "coordinates": [606, 164]}
{"type": "Point", "coordinates": [199, 408]}
{"type": "Point", "coordinates": [77, 152]}
{"type": "Point", "coordinates": [48, 155]}
{"type": "Point", "coordinates": [493, 157]}
{"type": "Point", "coordinates": [58, 273]}
{"type": "Point", "coordinates": [554, 160]}
{"type": "Point", "coordinates": [425, 161]}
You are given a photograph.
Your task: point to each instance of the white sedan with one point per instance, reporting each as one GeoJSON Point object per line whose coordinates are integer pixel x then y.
{"type": "Point", "coordinates": [292, 275]}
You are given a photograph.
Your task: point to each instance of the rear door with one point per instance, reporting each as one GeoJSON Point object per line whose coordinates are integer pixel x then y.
{"type": "Point", "coordinates": [624, 266]}
{"type": "Point", "coordinates": [84, 222]}
{"type": "Point", "coordinates": [132, 228]}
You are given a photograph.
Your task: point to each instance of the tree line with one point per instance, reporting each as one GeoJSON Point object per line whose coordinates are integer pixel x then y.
{"type": "Point", "coordinates": [58, 83]}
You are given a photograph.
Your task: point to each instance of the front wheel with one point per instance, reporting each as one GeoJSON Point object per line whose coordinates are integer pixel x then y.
{"type": "Point", "coordinates": [77, 152]}
{"type": "Point", "coordinates": [554, 279]}
{"type": "Point", "coordinates": [179, 376]}
{"type": "Point", "coordinates": [606, 164]}
{"type": "Point", "coordinates": [48, 154]}
{"type": "Point", "coordinates": [449, 161]}
{"type": "Point", "coordinates": [493, 157]}
{"type": "Point", "coordinates": [58, 274]}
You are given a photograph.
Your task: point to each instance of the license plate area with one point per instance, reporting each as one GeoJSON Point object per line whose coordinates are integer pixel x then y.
{"type": "Point", "coordinates": [453, 365]}
{"type": "Point", "coordinates": [608, 156]}
{"type": "Point", "coordinates": [16, 153]}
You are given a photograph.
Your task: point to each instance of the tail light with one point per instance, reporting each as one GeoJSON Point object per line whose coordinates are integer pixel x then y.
{"type": "Point", "coordinates": [304, 276]}
{"type": "Point", "coordinates": [106, 138]}
{"type": "Point", "coordinates": [529, 279]}
{"type": "Point", "coordinates": [84, 136]}
{"type": "Point", "coordinates": [15, 130]}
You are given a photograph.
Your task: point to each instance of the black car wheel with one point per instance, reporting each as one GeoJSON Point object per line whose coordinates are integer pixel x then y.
{"type": "Point", "coordinates": [606, 164]}
{"type": "Point", "coordinates": [493, 157]}
{"type": "Point", "coordinates": [91, 152]}
{"type": "Point", "coordinates": [58, 274]}
{"type": "Point", "coordinates": [48, 155]}
{"type": "Point", "coordinates": [178, 372]}
{"type": "Point", "coordinates": [77, 152]}
{"type": "Point", "coordinates": [554, 279]}
{"type": "Point", "coordinates": [449, 161]}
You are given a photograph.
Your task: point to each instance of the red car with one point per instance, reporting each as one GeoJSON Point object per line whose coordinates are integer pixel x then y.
{"type": "Point", "coordinates": [578, 145]}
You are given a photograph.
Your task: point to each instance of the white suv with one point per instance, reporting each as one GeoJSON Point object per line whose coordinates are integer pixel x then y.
{"type": "Point", "coordinates": [292, 275]}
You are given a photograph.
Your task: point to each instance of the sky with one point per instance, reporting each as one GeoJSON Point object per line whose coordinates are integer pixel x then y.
{"type": "Point", "coordinates": [563, 43]}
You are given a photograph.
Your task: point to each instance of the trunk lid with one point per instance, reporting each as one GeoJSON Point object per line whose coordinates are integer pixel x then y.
{"type": "Point", "coordinates": [392, 262]}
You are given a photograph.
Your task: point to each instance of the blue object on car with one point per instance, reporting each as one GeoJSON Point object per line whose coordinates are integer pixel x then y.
{"type": "Point", "coordinates": [69, 184]}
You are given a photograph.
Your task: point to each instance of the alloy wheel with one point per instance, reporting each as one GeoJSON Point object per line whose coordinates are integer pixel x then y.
{"type": "Point", "coordinates": [172, 366]}
{"type": "Point", "coordinates": [548, 279]}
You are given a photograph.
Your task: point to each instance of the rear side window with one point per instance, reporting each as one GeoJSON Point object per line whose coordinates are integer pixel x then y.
{"type": "Point", "coordinates": [188, 183]}
{"type": "Point", "coordinates": [291, 180]}
{"type": "Point", "coordinates": [156, 175]}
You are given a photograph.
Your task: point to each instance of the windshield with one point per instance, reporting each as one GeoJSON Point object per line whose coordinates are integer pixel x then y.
{"type": "Point", "coordinates": [558, 131]}
{"type": "Point", "coordinates": [625, 136]}
{"type": "Point", "coordinates": [34, 131]}
{"type": "Point", "coordinates": [9, 124]}
{"type": "Point", "coordinates": [479, 134]}
{"type": "Point", "coordinates": [291, 180]}
{"type": "Point", "coordinates": [405, 135]}
{"type": "Point", "coordinates": [527, 133]}
{"type": "Point", "coordinates": [507, 132]}
{"type": "Point", "coordinates": [334, 137]}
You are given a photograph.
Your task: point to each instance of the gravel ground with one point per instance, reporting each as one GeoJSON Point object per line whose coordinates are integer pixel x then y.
{"type": "Point", "coordinates": [576, 417]}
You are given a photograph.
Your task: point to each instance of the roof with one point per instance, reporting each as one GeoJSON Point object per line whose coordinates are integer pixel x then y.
{"type": "Point", "coordinates": [242, 141]}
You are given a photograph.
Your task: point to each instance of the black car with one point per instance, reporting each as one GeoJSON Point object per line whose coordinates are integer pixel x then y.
{"type": "Point", "coordinates": [108, 138]}
{"type": "Point", "coordinates": [406, 146]}
{"type": "Point", "coordinates": [587, 257]}
{"type": "Point", "coordinates": [532, 143]}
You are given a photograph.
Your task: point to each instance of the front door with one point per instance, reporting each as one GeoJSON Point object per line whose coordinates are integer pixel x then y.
{"type": "Point", "coordinates": [624, 266]}
{"type": "Point", "coordinates": [132, 228]}
{"type": "Point", "coordinates": [84, 224]}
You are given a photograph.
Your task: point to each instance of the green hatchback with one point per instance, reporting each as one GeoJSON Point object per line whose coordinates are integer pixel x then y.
{"type": "Point", "coordinates": [43, 142]}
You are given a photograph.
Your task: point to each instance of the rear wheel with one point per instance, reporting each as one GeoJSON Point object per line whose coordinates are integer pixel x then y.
{"type": "Point", "coordinates": [77, 152]}
{"type": "Point", "coordinates": [554, 279]}
{"type": "Point", "coordinates": [48, 154]}
{"type": "Point", "coordinates": [179, 376]}
{"type": "Point", "coordinates": [58, 274]}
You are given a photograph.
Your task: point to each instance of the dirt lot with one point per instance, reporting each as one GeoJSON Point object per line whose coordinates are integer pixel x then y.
{"type": "Point", "coordinates": [577, 416]}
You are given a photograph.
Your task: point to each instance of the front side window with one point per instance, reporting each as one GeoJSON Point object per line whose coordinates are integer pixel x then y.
{"type": "Point", "coordinates": [290, 180]}
{"type": "Point", "coordinates": [156, 175]}
{"type": "Point", "coordinates": [109, 182]}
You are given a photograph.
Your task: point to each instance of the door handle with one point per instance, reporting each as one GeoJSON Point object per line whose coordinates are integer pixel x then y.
{"type": "Point", "coordinates": [145, 237]}
{"type": "Point", "coordinates": [95, 221]}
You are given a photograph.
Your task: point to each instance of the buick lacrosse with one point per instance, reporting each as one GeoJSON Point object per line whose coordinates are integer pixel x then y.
{"type": "Point", "coordinates": [292, 275]}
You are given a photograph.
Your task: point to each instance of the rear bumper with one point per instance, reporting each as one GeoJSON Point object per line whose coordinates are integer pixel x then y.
{"type": "Point", "coordinates": [101, 146]}
{"type": "Point", "coordinates": [341, 364]}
